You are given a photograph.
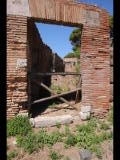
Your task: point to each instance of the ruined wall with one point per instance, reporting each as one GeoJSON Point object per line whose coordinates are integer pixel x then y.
{"type": "Point", "coordinates": [95, 53]}
{"type": "Point", "coordinates": [95, 50]}
{"type": "Point", "coordinates": [95, 67]}
{"type": "Point", "coordinates": [40, 61]}
{"type": "Point", "coordinates": [16, 64]}
{"type": "Point", "coordinates": [26, 53]}
{"type": "Point", "coordinates": [58, 64]}
{"type": "Point", "coordinates": [71, 64]}
{"type": "Point", "coordinates": [68, 82]}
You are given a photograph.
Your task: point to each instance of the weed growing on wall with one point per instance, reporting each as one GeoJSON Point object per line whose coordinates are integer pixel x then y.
{"type": "Point", "coordinates": [110, 115]}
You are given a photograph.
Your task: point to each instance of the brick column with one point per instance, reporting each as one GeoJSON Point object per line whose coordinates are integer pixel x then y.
{"type": "Point", "coordinates": [16, 64]}
{"type": "Point", "coordinates": [95, 66]}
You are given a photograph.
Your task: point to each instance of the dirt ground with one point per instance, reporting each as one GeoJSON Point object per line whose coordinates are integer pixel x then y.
{"type": "Point", "coordinates": [73, 152]}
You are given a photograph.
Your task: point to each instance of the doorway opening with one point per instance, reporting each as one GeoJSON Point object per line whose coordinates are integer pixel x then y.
{"type": "Point", "coordinates": [53, 70]}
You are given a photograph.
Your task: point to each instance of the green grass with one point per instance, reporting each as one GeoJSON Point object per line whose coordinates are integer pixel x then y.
{"type": "Point", "coordinates": [59, 89]}
{"type": "Point", "coordinates": [19, 125]}
{"type": "Point", "coordinates": [32, 142]}
{"type": "Point", "coordinates": [12, 155]}
{"type": "Point", "coordinates": [110, 115]}
{"type": "Point", "coordinates": [55, 156]}
{"type": "Point", "coordinates": [70, 140]}
{"type": "Point", "coordinates": [88, 136]}
{"type": "Point", "coordinates": [104, 126]}
{"type": "Point", "coordinates": [28, 143]}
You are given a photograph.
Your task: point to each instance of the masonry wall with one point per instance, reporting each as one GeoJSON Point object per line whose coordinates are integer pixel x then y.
{"type": "Point", "coordinates": [68, 82]}
{"type": "Point", "coordinates": [95, 51]}
{"type": "Point", "coordinates": [26, 54]}
{"type": "Point", "coordinates": [16, 65]}
{"type": "Point", "coordinates": [95, 67]}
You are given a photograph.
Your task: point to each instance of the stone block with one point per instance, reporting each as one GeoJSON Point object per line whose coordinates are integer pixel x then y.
{"type": "Point", "coordinates": [85, 154]}
{"type": "Point", "coordinates": [51, 121]}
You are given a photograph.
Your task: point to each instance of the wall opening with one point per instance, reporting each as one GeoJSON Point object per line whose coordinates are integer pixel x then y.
{"type": "Point", "coordinates": [43, 58]}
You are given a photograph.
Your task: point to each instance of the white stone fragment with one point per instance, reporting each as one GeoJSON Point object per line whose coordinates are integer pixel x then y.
{"type": "Point", "coordinates": [85, 112]}
{"type": "Point", "coordinates": [51, 121]}
{"type": "Point", "coordinates": [86, 109]}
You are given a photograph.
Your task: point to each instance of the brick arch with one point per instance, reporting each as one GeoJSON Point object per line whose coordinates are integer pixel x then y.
{"type": "Point", "coordinates": [95, 57]}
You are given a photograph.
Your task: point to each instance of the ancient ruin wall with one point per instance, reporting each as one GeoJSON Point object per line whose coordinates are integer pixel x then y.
{"type": "Point", "coordinates": [68, 82]}
{"type": "Point", "coordinates": [95, 65]}
{"type": "Point", "coordinates": [95, 57]}
{"type": "Point", "coordinates": [16, 64]}
{"type": "Point", "coordinates": [26, 53]}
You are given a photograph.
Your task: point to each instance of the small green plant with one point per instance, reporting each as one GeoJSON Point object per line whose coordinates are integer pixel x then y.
{"type": "Point", "coordinates": [97, 150]}
{"type": "Point", "coordinates": [77, 67]}
{"type": "Point", "coordinates": [33, 142]}
{"type": "Point", "coordinates": [54, 137]}
{"type": "Point", "coordinates": [110, 115]}
{"type": "Point", "coordinates": [12, 155]}
{"type": "Point", "coordinates": [59, 89]}
{"type": "Point", "coordinates": [67, 130]}
{"type": "Point", "coordinates": [56, 88]}
{"type": "Point", "coordinates": [55, 156]}
{"type": "Point", "coordinates": [58, 125]}
{"type": "Point", "coordinates": [104, 126]}
{"type": "Point", "coordinates": [93, 122]}
{"type": "Point", "coordinates": [84, 128]}
{"type": "Point", "coordinates": [70, 140]}
{"type": "Point", "coordinates": [28, 143]}
{"type": "Point", "coordinates": [53, 105]}
{"type": "Point", "coordinates": [18, 126]}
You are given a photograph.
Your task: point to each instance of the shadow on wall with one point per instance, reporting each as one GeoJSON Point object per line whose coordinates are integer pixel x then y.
{"type": "Point", "coordinates": [40, 60]}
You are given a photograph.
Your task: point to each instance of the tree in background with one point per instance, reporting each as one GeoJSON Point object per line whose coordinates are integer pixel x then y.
{"type": "Point", "coordinates": [75, 39]}
{"type": "Point", "coordinates": [111, 26]}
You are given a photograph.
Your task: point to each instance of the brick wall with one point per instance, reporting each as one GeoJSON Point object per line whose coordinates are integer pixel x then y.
{"type": "Point", "coordinates": [95, 50]}
{"type": "Point", "coordinates": [26, 53]}
{"type": "Point", "coordinates": [95, 66]}
{"type": "Point", "coordinates": [16, 64]}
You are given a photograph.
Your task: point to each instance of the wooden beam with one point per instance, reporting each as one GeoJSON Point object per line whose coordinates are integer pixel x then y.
{"type": "Point", "coordinates": [54, 96]}
{"type": "Point", "coordinates": [61, 98]}
{"type": "Point", "coordinates": [53, 93]}
{"type": "Point", "coordinates": [53, 73]}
